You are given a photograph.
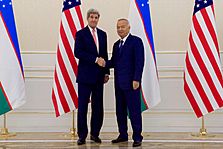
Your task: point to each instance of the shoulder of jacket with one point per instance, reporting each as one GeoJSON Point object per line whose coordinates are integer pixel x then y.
{"type": "Point", "coordinates": [116, 43]}
{"type": "Point", "coordinates": [136, 38]}
{"type": "Point", "coordinates": [101, 31]}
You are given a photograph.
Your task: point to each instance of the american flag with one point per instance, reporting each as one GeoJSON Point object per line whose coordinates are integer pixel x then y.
{"type": "Point", "coordinates": [64, 93]}
{"type": "Point", "coordinates": [203, 76]}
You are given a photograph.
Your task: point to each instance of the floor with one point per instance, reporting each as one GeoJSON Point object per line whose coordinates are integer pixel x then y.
{"type": "Point", "coordinates": [151, 141]}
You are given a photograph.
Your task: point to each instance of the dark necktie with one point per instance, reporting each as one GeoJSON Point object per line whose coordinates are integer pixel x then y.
{"type": "Point", "coordinates": [120, 46]}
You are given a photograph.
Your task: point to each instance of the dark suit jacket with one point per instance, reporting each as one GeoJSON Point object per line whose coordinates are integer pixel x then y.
{"type": "Point", "coordinates": [128, 65]}
{"type": "Point", "coordinates": [86, 51]}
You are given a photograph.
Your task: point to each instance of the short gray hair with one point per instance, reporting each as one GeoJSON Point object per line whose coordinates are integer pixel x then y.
{"type": "Point", "coordinates": [92, 11]}
{"type": "Point", "coordinates": [124, 19]}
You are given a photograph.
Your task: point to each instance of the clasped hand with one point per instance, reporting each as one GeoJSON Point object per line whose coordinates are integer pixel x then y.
{"type": "Point", "coordinates": [135, 85]}
{"type": "Point", "coordinates": [101, 62]}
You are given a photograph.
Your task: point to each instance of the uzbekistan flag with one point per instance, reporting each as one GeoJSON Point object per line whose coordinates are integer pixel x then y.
{"type": "Point", "coordinates": [139, 18]}
{"type": "Point", "coordinates": [12, 85]}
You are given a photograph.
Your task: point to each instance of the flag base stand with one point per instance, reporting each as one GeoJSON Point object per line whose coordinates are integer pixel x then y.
{"type": "Point", "coordinates": [72, 133]}
{"type": "Point", "coordinates": [203, 132]}
{"type": "Point", "coordinates": [5, 133]}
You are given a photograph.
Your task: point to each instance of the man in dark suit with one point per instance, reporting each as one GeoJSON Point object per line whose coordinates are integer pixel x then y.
{"type": "Point", "coordinates": [91, 50]}
{"type": "Point", "coordinates": [128, 62]}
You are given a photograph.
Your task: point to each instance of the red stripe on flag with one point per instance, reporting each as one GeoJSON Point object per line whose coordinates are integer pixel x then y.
{"type": "Point", "coordinates": [66, 77]}
{"type": "Point", "coordinates": [55, 104]}
{"type": "Point", "coordinates": [78, 10]}
{"type": "Point", "coordinates": [68, 73]}
{"type": "Point", "coordinates": [61, 94]}
{"type": "Point", "coordinates": [214, 37]}
{"type": "Point", "coordinates": [13, 45]}
{"type": "Point", "coordinates": [212, 7]}
{"type": "Point", "coordinates": [198, 86]}
{"type": "Point", "coordinates": [70, 21]}
{"type": "Point", "coordinates": [68, 49]}
{"type": "Point", "coordinates": [64, 39]}
{"type": "Point", "coordinates": [192, 99]}
{"type": "Point", "coordinates": [6, 97]}
{"type": "Point", "coordinates": [208, 60]}
{"type": "Point", "coordinates": [205, 72]}
{"type": "Point", "coordinates": [207, 49]}
{"type": "Point", "coordinates": [210, 27]}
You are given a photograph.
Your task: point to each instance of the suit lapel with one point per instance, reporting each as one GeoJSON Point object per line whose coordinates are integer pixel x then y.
{"type": "Point", "coordinates": [126, 43]}
{"type": "Point", "coordinates": [116, 49]}
{"type": "Point", "coordinates": [100, 40]}
{"type": "Point", "coordinates": [91, 39]}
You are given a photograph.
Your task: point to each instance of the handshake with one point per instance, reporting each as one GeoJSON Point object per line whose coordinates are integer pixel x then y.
{"type": "Point", "coordinates": [101, 62]}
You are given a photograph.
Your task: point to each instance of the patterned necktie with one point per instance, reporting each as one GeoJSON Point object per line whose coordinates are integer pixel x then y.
{"type": "Point", "coordinates": [94, 36]}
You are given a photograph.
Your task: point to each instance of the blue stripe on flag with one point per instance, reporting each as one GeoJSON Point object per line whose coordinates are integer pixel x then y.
{"type": "Point", "coordinates": [144, 10]}
{"type": "Point", "coordinates": [8, 17]}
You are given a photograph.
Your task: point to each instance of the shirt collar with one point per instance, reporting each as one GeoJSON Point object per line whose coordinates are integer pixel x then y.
{"type": "Point", "coordinates": [124, 39]}
{"type": "Point", "coordinates": [92, 29]}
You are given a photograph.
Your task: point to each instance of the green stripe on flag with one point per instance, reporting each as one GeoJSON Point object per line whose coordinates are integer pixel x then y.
{"type": "Point", "coordinates": [4, 106]}
{"type": "Point", "coordinates": [144, 106]}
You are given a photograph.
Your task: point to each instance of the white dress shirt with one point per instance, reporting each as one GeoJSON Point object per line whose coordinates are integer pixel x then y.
{"type": "Point", "coordinates": [96, 34]}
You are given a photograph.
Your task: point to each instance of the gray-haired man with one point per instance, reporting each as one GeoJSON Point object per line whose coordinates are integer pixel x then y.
{"type": "Point", "coordinates": [91, 50]}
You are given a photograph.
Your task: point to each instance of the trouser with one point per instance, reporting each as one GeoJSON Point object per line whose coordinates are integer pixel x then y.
{"type": "Point", "coordinates": [94, 93]}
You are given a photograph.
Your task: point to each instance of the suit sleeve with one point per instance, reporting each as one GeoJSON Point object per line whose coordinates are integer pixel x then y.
{"type": "Point", "coordinates": [106, 55]}
{"type": "Point", "coordinates": [139, 60]}
{"type": "Point", "coordinates": [80, 52]}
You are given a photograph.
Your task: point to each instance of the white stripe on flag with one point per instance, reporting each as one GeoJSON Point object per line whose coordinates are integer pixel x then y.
{"type": "Point", "coordinates": [67, 61]}
{"type": "Point", "coordinates": [208, 37]}
{"type": "Point", "coordinates": [195, 93]}
{"type": "Point", "coordinates": [59, 105]}
{"type": "Point", "coordinates": [67, 64]}
{"type": "Point", "coordinates": [75, 18]}
{"type": "Point", "coordinates": [211, 17]}
{"type": "Point", "coordinates": [66, 73]}
{"type": "Point", "coordinates": [78, 27]}
{"type": "Point", "coordinates": [202, 80]}
{"type": "Point", "coordinates": [206, 60]}
{"type": "Point", "coordinates": [68, 31]}
{"type": "Point", "coordinates": [150, 83]}
{"type": "Point", "coordinates": [65, 89]}
{"type": "Point", "coordinates": [10, 71]}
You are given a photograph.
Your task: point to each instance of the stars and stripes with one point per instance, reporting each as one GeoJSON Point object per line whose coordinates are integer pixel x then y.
{"type": "Point", "coordinates": [203, 77]}
{"type": "Point", "coordinates": [64, 93]}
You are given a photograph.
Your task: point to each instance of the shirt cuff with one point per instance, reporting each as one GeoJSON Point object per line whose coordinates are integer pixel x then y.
{"type": "Point", "coordinates": [96, 60]}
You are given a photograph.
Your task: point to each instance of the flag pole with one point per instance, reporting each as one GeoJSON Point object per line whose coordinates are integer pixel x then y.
{"type": "Point", "coordinates": [4, 131]}
{"type": "Point", "coordinates": [203, 131]}
{"type": "Point", "coordinates": [72, 130]}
